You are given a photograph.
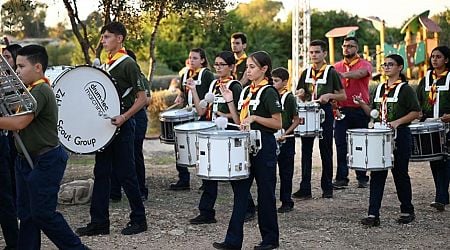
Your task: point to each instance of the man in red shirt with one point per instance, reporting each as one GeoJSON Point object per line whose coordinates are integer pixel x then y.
{"type": "Point", "coordinates": [355, 75]}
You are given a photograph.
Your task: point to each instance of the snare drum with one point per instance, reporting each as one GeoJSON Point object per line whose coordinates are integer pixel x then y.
{"type": "Point", "coordinates": [223, 155]}
{"type": "Point", "coordinates": [169, 119]}
{"type": "Point", "coordinates": [370, 149]}
{"type": "Point", "coordinates": [311, 117]}
{"type": "Point", "coordinates": [52, 72]}
{"type": "Point", "coordinates": [85, 96]}
{"type": "Point", "coordinates": [186, 139]}
{"type": "Point", "coordinates": [428, 140]}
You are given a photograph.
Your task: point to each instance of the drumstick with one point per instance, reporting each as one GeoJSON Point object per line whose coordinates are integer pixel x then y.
{"type": "Point", "coordinates": [172, 106]}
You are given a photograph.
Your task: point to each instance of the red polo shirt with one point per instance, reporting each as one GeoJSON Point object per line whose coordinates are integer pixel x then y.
{"type": "Point", "coordinates": [355, 86]}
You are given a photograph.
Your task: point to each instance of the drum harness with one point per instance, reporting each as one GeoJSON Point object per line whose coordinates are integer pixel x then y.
{"type": "Point", "coordinates": [197, 82]}
{"type": "Point", "coordinates": [428, 84]}
{"type": "Point", "coordinates": [218, 98]}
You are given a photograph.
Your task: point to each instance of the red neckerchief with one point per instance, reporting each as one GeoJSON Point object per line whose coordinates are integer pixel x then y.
{"type": "Point", "coordinates": [348, 66]}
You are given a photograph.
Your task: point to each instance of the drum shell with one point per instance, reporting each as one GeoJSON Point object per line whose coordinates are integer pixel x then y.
{"type": "Point", "coordinates": [309, 115]}
{"type": "Point", "coordinates": [370, 149]}
{"type": "Point", "coordinates": [186, 140]}
{"type": "Point", "coordinates": [223, 155]}
{"type": "Point", "coordinates": [428, 141]}
{"type": "Point", "coordinates": [171, 118]}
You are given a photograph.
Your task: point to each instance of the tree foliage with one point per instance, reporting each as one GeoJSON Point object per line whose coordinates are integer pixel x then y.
{"type": "Point", "coordinates": [24, 18]}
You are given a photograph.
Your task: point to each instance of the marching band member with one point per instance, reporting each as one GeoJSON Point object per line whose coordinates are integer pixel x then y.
{"type": "Point", "coordinates": [119, 154]}
{"type": "Point", "coordinates": [200, 76]}
{"type": "Point", "coordinates": [38, 177]}
{"type": "Point", "coordinates": [398, 106]}
{"type": "Point", "coordinates": [238, 46]}
{"type": "Point", "coordinates": [355, 75]}
{"type": "Point", "coordinates": [265, 117]}
{"type": "Point", "coordinates": [224, 64]}
{"type": "Point", "coordinates": [319, 83]}
{"type": "Point", "coordinates": [434, 97]}
{"type": "Point", "coordinates": [290, 121]}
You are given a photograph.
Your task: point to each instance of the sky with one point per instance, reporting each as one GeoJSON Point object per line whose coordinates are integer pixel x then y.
{"type": "Point", "coordinates": [394, 13]}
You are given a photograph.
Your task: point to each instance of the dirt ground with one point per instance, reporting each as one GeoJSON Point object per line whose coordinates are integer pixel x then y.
{"type": "Point", "coordinates": [314, 224]}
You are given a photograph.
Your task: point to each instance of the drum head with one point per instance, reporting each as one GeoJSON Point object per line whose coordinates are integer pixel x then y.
{"type": "Point", "coordinates": [85, 96]}
{"type": "Point", "coordinates": [223, 134]}
{"type": "Point", "coordinates": [192, 126]}
{"type": "Point", "coordinates": [52, 72]}
{"type": "Point", "coordinates": [368, 131]}
{"type": "Point", "coordinates": [426, 126]}
{"type": "Point", "coordinates": [176, 114]}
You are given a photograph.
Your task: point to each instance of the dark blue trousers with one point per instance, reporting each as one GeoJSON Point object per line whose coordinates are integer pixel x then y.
{"type": "Point", "coordinates": [139, 135]}
{"type": "Point", "coordinates": [286, 170]}
{"type": "Point", "coordinates": [118, 155]}
{"type": "Point", "coordinates": [441, 174]}
{"type": "Point", "coordinates": [8, 215]}
{"type": "Point", "coordinates": [326, 154]}
{"type": "Point", "coordinates": [37, 195]}
{"type": "Point", "coordinates": [402, 181]}
{"type": "Point", "coordinates": [263, 169]}
{"type": "Point", "coordinates": [354, 118]}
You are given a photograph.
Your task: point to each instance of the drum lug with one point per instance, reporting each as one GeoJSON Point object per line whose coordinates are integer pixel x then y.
{"type": "Point", "coordinates": [209, 156]}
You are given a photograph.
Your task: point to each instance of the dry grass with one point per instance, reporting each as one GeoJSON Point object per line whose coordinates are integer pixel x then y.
{"type": "Point", "coordinates": [161, 99]}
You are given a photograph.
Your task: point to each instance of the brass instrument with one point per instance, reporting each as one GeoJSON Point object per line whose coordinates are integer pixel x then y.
{"type": "Point", "coordinates": [15, 99]}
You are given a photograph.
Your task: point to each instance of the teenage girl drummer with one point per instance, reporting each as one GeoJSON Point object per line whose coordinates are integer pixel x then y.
{"type": "Point", "coordinates": [398, 114]}
{"type": "Point", "coordinates": [267, 119]}
{"type": "Point", "coordinates": [434, 97]}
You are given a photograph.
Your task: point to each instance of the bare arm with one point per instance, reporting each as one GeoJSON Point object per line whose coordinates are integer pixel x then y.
{"type": "Point", "coordinates": [355, 74]}
{"type": "Point", "coordinates": [18, 122]}
{"type": "Point", "coordinates": [405, 119]}
{"type": "Point", "coordinates": [272, 122]}
{"type": "Point", "coordinates": [337, 95]}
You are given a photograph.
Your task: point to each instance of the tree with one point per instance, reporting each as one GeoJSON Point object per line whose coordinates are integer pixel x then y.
{"type": "Point", "coordinates": [24, 18]}
{"type": "Point", "coordinates": [443, 20]}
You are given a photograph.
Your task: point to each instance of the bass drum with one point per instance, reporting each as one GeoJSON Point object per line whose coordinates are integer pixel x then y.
{"type": "Point", "coordinates": [86, 99]}
{"type": "Point", "coordinates": [52, 72]}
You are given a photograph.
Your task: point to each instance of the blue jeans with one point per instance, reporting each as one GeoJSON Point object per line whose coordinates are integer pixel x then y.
{"type": "Point", "coordinates": [8, 215]}
{"type": "Point", "coordinates": [263, 169]}
{"type": "Point", "coordinates": [326, 154]}
{"type": "Point", "coordinates": [139, 135]}
{"type": "Point", "coordinates": [118, 155]}
{"type": "Point", "coordinates": [402, 181]}
{"type": "Point", "coordinates": [354, 118]}
{"type": "Point", "coordinates": [37, 195]}
{"type": "Point", "coordinates": [286, 170]}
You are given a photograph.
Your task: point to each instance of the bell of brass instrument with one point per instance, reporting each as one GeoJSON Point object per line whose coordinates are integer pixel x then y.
{"type": "Point", "coordinates": [15, 99]}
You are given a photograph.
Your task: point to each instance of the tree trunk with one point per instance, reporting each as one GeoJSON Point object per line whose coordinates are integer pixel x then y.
{"type": "Point", "coordinates": [152, 62]}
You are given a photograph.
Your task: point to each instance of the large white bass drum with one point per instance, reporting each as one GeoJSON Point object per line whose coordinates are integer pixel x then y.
{"type": "Point", "coordinates": [87, 100]}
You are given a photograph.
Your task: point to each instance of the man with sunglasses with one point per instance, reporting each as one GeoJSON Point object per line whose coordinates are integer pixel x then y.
{"type": "Point", "coordinates": [355, 74]}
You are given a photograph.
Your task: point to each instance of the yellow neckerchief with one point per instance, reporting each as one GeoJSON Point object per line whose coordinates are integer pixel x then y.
{"type": "Point", "coordinates": [433, 90]}
{"type": "Point", "coordinates": [387, 89]}
{"type": "Point", "coordinates": [116, 56]}
{"type": "Point", "coordinates": [283, 90]}
{"type": "Point", "coordinates": [246, 103]}
{"type": "Point", "coordinates": [239, 60]}
{"type": "Point", "coordinates": [348, 66]}
{"type": "Point", "coordinates": [36, 83]}
{"type": "Point", "coordinates": [315, 75]}
{"type": "Point", "coordinates": [218, 83]}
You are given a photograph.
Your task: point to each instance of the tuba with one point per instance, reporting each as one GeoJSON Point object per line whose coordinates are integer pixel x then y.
{"type": "Point", "coordinates": [15, 99]}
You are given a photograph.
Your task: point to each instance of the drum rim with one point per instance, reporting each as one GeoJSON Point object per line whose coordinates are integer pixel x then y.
{"type": "Point", "coordinates": [177, 127]}
{"type": "Point", "coordinates": [184, 114]}
{"type": "Point", "coordinates": [117, 130]}
{"type": "Point", "coordinates": [225, 134]}
{"type": "Point", "coordinates": [429, 126]}
{"type": "Point", "coordinates": [372, 131]}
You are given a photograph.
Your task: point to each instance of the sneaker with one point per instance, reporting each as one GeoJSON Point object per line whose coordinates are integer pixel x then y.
{"type": "Point", "coordinates": [439, 206]}
{"type": "Point", "coordinates": [362, 184]}
{"type": "Point", "coordinates": [201, 219]}
{"type": "Point", "coordinates": [134, 228]}
{"type": "Point", "coordinates": [249, 216]}
{"type": "Point", "coordinates": [224, 246]}
{"type": "Point", "coordinates": [285, 208]}
{"type": "Point", "coordinates": [371, 221]}
{"type": "Point", "coordinates": [179, 186]}
{"type": "Point", "coordinates": [340, 184]}
{"type": "Point", "coordinates": [301, 195]}
{"type": "Point", "coordinates": [406, 218]}
{"type": "Point", "coordinates": [92, 229]}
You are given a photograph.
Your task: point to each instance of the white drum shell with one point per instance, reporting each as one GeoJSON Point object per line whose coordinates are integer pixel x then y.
{"type": "Point", "coordinates": [171, 118]}
{"type": "Point", "coordinates": [309, 115]}
{"type": "Point", "coordinates": [186, 139]}
{"type": "Point", "coordinates": [370, 149]}
{"type": "Point", "coordinates": [84, 95]}
{"type": "Point", "coordinates": [223, 155]}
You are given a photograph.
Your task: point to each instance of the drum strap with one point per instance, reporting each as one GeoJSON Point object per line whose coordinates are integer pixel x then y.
{"type": "Point", "coordinates": [429, 82]}
{"type": "Point", "coordinates": [255, 102]}
{"type": "Point", "coordinates": [283, 99]}
{"type": "Point", "coordinates": [394, 98]}
{"type": "Point", "coordinates": [108, 67]}
{"type": "Point", "coordinates": [189, 95]}
{"type": "Point", "coordinates": [322, 80]}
